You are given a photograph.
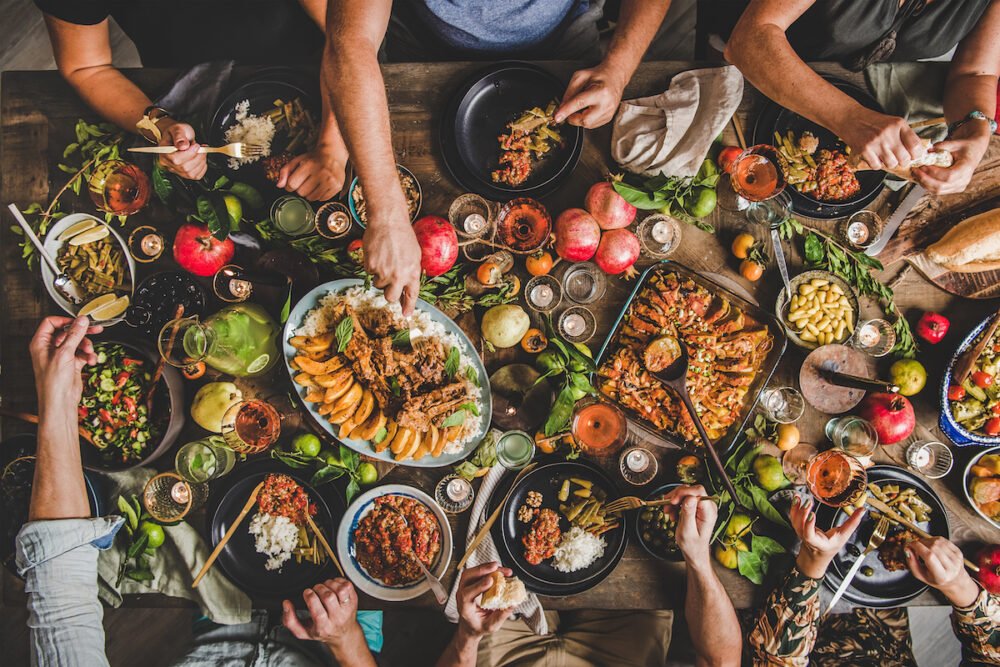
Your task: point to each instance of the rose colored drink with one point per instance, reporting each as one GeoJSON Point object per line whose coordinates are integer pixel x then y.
{"type": "Point", "coordinates": [119, 187]}
{"type": "Point", "coordinates": [599, 427]}
{"type": "Point", "coordinates": [256, 427]}
{"type": "Point", "coordinates": [836, 479]}
{"type": "Point", "coordinates": [757, 174]}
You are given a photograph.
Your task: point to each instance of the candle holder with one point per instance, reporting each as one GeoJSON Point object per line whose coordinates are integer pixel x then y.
{"type": "Point", "coordinates": [333, 220]}
{"type": "Point", "coordinates": [146, 244]}
{"type": "Point", "coordinates": [875, 337]}
{"type": "Point", "coordinates": [861, 230]}
{"type": "Point", "coordinates": [454, 494]}
{"type": "Point", "coordinates": [930, 458]}
{"type": "Point", "coordinates": [638, 466]}
{"type": "Point", "coordinates": [543, 294]}
{"type": "Point", "coordinates": [168, 497]}
{"type": "Point", "coordinates": [584, 282]}
{"type": "Point", "coordinates": [229, 286]}
{"type": "Point", "coordinates": [659, 235]}
{"type": "Point", "coordinates": [471, 216]}
{"type": "Point", "coordinates": [577, 324]}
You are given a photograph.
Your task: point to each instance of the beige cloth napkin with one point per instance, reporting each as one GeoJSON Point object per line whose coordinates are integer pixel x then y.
{"type": "Point", "coordinates": [671, 133]}
{"type": "Point", "coordinates": [531, 609]}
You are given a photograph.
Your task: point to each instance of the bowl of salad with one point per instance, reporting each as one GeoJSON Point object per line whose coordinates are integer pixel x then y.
{"type": "Point", "coordinates": [126, 427]}
{"type": "Point", "coordinates": [970, 411]}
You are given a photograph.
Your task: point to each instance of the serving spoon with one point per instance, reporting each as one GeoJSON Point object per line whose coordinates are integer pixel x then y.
{"type": "Point", "coordinates": [440, 594]}
{"type": "Point", "coordinates": [673, 373]}
{"type": "Point", "coordinates": [63, 283]}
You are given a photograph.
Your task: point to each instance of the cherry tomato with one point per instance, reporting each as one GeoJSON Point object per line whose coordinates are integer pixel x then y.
{"type": "Point", "coordinates": [992, 426]}
{"type": "Point", "coordinates": [982, 379]}
{"type": "Point", "coordinates": [956, 392]}
{"type": "Point", "coordinates": [995, 409]}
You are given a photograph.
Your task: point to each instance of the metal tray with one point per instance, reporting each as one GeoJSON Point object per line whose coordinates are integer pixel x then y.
{"type": "Point", "coordinates": [753, 310]}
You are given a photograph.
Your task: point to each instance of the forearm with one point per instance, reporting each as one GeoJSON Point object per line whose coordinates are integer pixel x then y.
{"type": "Point", "coordinates": [461, 650]}
{"type": "Point", "coordinates": [111, 94]}
{"type": "Point", "coordinates": [329, 129]}
{"type": "Point", "coordinates": [970, 92]}
{"type": "Point", "coordinates": [59, 490]}
{"type": "Point", "coordinates": [977, 626]}
{"type": "Point", "coordinates": [785, 632]}
{"type": "Point", "coordinates": [350, 650]}
{"type": "Point", "coordinates": [638, 23]}
{"type": "Point", "coordinates": [712, 623]}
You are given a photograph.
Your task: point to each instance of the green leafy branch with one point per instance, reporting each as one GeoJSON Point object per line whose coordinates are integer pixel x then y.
{"type": "Point", "coordinates": [328, 467]}
{"type": "Point", "coordinates": [139, 550]}
{"type": "Point", "coordinates": [686, 198]}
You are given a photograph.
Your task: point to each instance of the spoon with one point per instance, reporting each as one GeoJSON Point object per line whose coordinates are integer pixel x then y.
{"type": "Point", "coordinates": [440, 594]}
{"type": "Point", "coordinates": [63, 283]}
{"type": "Point", "coordinates": [672, 372]}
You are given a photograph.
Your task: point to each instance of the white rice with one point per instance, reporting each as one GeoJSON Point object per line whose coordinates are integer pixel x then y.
{"type": "Point", "coordinates": [321, 320]}
{"type": "Point", "coordinates": [275, 537]}
{"type": "Point", "coordinates": [577, 550]}
{"type": "Point", "coordinates": [250, 129]}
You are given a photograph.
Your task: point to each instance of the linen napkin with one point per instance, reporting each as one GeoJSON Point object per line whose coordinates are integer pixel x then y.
{"type": "Point", "coordinates": [531, 609]}
{"type": "Point", "coordinates": [671, 133]}
{"type": "Point", "coordinates": [173, 566]}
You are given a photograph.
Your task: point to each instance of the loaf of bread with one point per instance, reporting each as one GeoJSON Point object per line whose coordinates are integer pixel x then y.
{"type": "Point", "coordinates": [504, 593]}
{"type": "Point", "coordinates": [931, 158]}
{"type": "Point", "coordinates": [970, 246]}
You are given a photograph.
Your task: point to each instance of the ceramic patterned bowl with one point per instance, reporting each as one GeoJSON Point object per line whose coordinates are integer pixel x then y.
{"type": "Point", "coordinates": [957, 433]}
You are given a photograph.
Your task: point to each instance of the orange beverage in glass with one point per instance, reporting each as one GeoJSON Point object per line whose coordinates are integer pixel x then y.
{"type": "Point", "coordinates": [757, 173]}
{"type": "Point", "coordinates": [599, 427]}
{"type": "Point", "coordinates": [119, 187]}
{"type": "Point", "coordinates": [250, 427]}
{"type": "Point", "coordinates": [836, 478]}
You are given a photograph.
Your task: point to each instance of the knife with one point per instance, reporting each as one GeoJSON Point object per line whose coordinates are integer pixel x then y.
{"type": "Point", "coordinates": [846, 583]}
{"type": "Point", "coordinates": [857, 382]}
{"type": "Point", "coordinates": [896, 219]}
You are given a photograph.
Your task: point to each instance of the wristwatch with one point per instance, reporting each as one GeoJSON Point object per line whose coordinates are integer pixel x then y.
{"type": "Point", "coordinates": [150, 117]}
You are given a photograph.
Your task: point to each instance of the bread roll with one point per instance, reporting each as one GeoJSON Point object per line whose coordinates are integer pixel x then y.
{"type": "Point", "coordinates": [931, 158]}
{"type": "Point", "coordinates": [970, 246]}
{"type": "Point", "coordinates": [504, 593]}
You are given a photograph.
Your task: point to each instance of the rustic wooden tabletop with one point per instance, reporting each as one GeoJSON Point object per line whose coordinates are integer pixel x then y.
{"type": "Point", "coordinates": [38, 111]}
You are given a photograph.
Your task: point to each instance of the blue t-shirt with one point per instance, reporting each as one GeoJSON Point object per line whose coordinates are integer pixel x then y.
{"type": "Point", "coordinates": [497, 25]}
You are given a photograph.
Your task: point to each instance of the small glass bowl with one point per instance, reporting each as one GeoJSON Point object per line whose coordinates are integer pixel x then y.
{"type": "Point", "coordinates": [330, 220]}
{"type": "Point", "coordinates": [659, 235]}
{"type": "Point", "coordinates": [471, 216]}
{"type": "Point", "coordinates": [577, 324]}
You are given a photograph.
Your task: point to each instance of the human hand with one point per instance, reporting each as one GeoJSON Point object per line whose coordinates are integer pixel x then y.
{"type": "Point", "coordinates": [474, 621]}
{"type": "Point", "coordinates": [187, 162]}
{"type": "Point", "coordinates": [592, 97]}
{"type": "Point", "coordinates": [967, 147]}
{"type": "Point", "coordinates": [885, 142]}
{"type": "Point", "coordinates": [333, 606]}
{"type": "Point", "coordinates": [939, 563]}
{"type": "Point", "coordinates": [317, 175]}
{"type": "Point", "coordinates": [59, 351]}
{"type": "Point", "coordinates": [695, 522]}
{"type": "Point", "coordinates": [392, 256]}
{"type": "Point", "coordinates": [819, 547]}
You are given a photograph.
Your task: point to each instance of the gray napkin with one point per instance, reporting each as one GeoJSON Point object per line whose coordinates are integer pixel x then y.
{"type": "Point", "coordinates": [671, 133]}
{"type": "Point", "coordinates": [196, 92]}
{"type": "Point", "coordinates": [531, 609]}
{"type": "Point", "coordinates": [173, 566]}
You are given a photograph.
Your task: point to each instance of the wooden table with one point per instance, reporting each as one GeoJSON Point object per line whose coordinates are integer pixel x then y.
{"type": "Point", "coordinates": [38, 113]}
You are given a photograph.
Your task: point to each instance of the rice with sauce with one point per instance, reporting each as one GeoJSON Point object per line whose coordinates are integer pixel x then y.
{"type": "Point", "coordinates": [250, 129]}
{"type": "Point", "coordinates": [322, 319]}
{"type": "Point", "coordinates": [275, 537]}
{"type": "Point", "coordinates": [577, 550]}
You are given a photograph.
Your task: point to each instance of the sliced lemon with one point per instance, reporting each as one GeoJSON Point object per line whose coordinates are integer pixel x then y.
{"type": "Point", "coordinates": [258, 364]}
{"type": "Point", "coordinates": [96, 303]}
{"type": "Point", "coordinates": [91, 235]}
{"type": "Point", "coordinates": [77, 228]}
{"type": "Point", "coordinates": [111, 310]}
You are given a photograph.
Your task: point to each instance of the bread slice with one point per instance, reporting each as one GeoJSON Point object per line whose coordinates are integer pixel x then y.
{"type": "Point", "coordinates": [971, 246]}
{"type": "Point", "coordinates": [931, 158]}
{"type": "Point", "coordinates": [504, 593]}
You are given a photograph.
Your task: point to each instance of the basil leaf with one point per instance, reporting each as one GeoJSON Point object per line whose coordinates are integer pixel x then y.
{"type": "Point", "coordinates": [814, 249]}
{"type": "Point", "coordinates": [750, 566]}
{"type": "Point", "coordinates": [344, 332]}
{"type": "Point", "coordinates": [470, 407]}
{"type": "Point", "coordinates": [451, 363]}
{"type": "Point", "coordinates": [401, 338]}
{"type": "Point", "coordinates": [473, 375]}
{"type": "Point", "coordinates": [394, 386]}
{"type": "Point", "coordinates": [456, 418]}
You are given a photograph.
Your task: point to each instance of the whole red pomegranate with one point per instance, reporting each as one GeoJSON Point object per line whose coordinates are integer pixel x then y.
{"type": "Point", "coordinates": [197, 251]}
{"type": "Point", "coordinates": [988, 560]}
{"type": "Point", "coordinates": [438, 244]}
{"type": "Point", "coordinates": [890, 414]}
{"type": "Point", "coordinates": [577, 235]}
{"type": "Point", "coordinates": [608, 207]}
{"type": "Point", "coordinates": [617, 252]}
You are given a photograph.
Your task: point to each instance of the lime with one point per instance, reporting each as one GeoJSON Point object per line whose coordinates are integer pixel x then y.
{"type": "Point", "coordinates": [154, 534]}
{"type": "Point", "coordinates": [247, 194]}
{"type": "Point", "coordinates": [91, 235]}
{"type": "Point", "coordinates": [234, 207]}
{"type": "Point", "coordinates": [910, 375]}
{"type": "Point", "coordinates": [258, 364]}
{"type": "Point", "coordinates": [769, 474]}
{"type": "Point", "coordinates": [307, 444]}
{"type": "Point", "coordinates": [367, 473]}
{"type": "Point", "coordinates": [703, 203]}
{"type": "Point", "coordinates": [77, 228]}
{"type": "Point", "coordinates": [738, 524]}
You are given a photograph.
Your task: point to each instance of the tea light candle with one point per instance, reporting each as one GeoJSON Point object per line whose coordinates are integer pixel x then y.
{"type": "Point", "coordinates": [663, 232]}
{"type": "Point", "coordinates": [869, 335]}
{"type": "Point", "coordinates": [473, 224]}
{"type": "Point", "coordinates": [858, 233]}
{"type": "Point", "coordinates": [574, 324]}
{"type": "Point", "coordinates": [151, 244]}
{"type": "Point", "coordinates": [240, 289]}
{"type": "Point", "coordinates": [919, 457]}
{"type": "Point", "coordinates": [637, 460]}
{"type": "Point", "coordinates": [458, 489]}
{"type": "Point", "coordinates": [542, 295]}
{"type": "Point", "coordinates": [338, 222]}
{"type": "Point", "coordinates": [180, 493]}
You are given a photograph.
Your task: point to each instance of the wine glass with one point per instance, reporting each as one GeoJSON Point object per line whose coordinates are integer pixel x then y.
{"type": "Point", "coordinates": [118, 187]}
{"type": "Point", "coordinates": [168, 497]}
{"type": "Point", "coordinates": [251, 426]}
{"type": "Point", "coordinates": [599, 427]}
{"type": "Point", "coordinates": [836, 478]}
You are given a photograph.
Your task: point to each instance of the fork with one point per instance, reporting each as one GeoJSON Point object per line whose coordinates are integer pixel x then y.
{"type": "Point", "coordinates": [628, 503]}
{"type": "Point", "coordinates": [440, 594]}
{"type": "Point", "coordinates": [236, 150]}
{"type": "Point", "coordinates": [877, 538]}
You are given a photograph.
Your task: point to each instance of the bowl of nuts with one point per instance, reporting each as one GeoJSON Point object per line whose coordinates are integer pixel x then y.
{"type": "Point", "coordinates": [823, 309]}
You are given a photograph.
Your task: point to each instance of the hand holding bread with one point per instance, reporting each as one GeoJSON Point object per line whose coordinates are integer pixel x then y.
{"type": "Point", "coordinates": [500, 594]}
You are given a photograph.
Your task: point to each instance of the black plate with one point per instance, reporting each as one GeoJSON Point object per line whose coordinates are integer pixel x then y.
{"type": "Point", "coordinates": [674, 556]}
{"type": "Point", "coordinates": [884, 588]}
{"type": "Point", "coordinates": [13, 517]}
{"type": "Point", "coordinates": [239, 559]}
{"type": "Point", "coordinates": [261, 93]}
{"type": "Point", "coordinates": [507, 531]}
{"type": "Point", "coordinates": [479, 112]}
{"type": "Point", "coordinates": [774, 118]}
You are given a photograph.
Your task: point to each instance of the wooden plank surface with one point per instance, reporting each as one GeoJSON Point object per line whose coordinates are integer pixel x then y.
{"type": "Point", "coordinates": [38, 112]}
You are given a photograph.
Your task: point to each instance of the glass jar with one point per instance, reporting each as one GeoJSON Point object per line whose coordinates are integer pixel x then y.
{"type": "Point", "coordinates": [240, 340]}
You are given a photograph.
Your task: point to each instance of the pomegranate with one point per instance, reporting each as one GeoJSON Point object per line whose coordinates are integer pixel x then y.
{"type": "Point", "coordinates": [608, 207]}
{"type": "Point", "coordinates": [988, 560]}
{"type": "Point", "coordinates": [617, 252]}
{"type": "Point", "coordinates": [577, 235]}
{"type": "Point", "coordinates": [890, 414]}
{"type": "Point", "coordinates": [438, 244]}
{"type": "Point", "coordinates": [200, 253]}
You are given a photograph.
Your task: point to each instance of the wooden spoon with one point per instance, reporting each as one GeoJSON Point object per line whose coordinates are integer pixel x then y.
{"type": "Point", "coordinates": [229, 533]}
{"type": "Point", "coordinates": [33, 419]}
{"type": "Point", "coordinates": [326, 545]}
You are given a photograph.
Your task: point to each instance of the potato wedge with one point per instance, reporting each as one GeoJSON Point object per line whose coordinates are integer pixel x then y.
{"type": "Point", "coordinates": [351, 398]}
{"type": "Point", "coordinates": [318, 367]}
{"type": "Point", "coordinates": [367, 430]}
{"type": "Point", "coordinates": [411, 447]}
{"type": "Point", "coordinates": [439, 444]}
{"type": "Point", "coordinates": [305, 380]}
{"type": "Point", "coordinates": [360, 415]}
{"type": "Point", "coordinates": [391, 426]}
{"type": "Point", "coordinates": [325, 409]}
{"type": "Point", "coordinates": [431, 437]}
{"type": "Point", "coordinates": [422, 450]}
{"type": "Point", "coordinates": [402, 439]}
{"type": "Point", "coordinates": [337, 384]}
{"type": "Point", "coordinates": [340, 416]}
{"type": "Point", "coordinates": [315, 396]}
{"type": "Point", "coordinates": [451, 433]}
{"type": "Point", "coordinates": [298, 342]}
{"type": "Point", "coordinates": [319, 343]}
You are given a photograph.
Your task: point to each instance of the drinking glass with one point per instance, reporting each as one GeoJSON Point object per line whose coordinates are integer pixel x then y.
{"type": "Point", "coordinates": [584, 282]}
{"type": "Point", "coordinates": [169, 498]}
{"type": "Point", "coordinates": [659, 235]}
{"type": "Point", "coordinates": [523, 225]}
{"type": "Point", "coordinates": [577, 324]}
{"type": "Point", "coordinates": [854, 436]}
{"type": "Point", "coordinates": [471, 216]}
{"type": "Point", "coordinates": [119, 187]}
{"type": "Point", "coordinates": [333, 220]}
{"type": "Point", "coordinates": [862, 230]}
{"type": "Point", "coordinates": [836, 478]}
{"type": "Point", "coordinates": [599, 427]}
{"type": "Point", "coordinates": [229, 287]}
{"type": "Point", "coordinates": [784, 405]}
{"type": "Point", "coordinates": [875, 337]}
{"type": "Point", "coordinates": [638, 466]}
{"type": "Point", "coordinates": [204, 460]}
{"type": "Point", "coordinates": [251, 426]}
{"type": "Point", "coordinates": [515, 449]}
{"type": "Point", "coordinates": [758, 173]}
{"type": "Point", "coordinates": [292, 215]}
{"type": "Point", "coordinates": [930, 458]}
{"type": "Point", "coordinates": [543, 294]}
{"type": "Point", "coordinates": [145, 244]}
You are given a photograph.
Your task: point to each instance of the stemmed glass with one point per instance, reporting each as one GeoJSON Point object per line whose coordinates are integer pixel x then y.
{"type": "Point", "coordinates": [119, 187]}
{"type": "Point", "coordinates": [836, 478]}
{"type": "Point", "coordinates": [251, 426]}
{"type": "Point", "coordinates": [756, 175]}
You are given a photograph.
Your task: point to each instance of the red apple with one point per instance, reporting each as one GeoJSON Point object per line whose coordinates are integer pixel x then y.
{"type": "Point", "coordinates": [890, 414]}
{"type": "Point", "coordinates": [438, 244]}
{"type": "Point", "coordinates": [197, 251]}
{"type": "Point", "coordinates": [988, 560]}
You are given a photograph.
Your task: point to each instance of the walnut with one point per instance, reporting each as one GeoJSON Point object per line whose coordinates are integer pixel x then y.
{"type": "Point", "coordinates": [534, 499]}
